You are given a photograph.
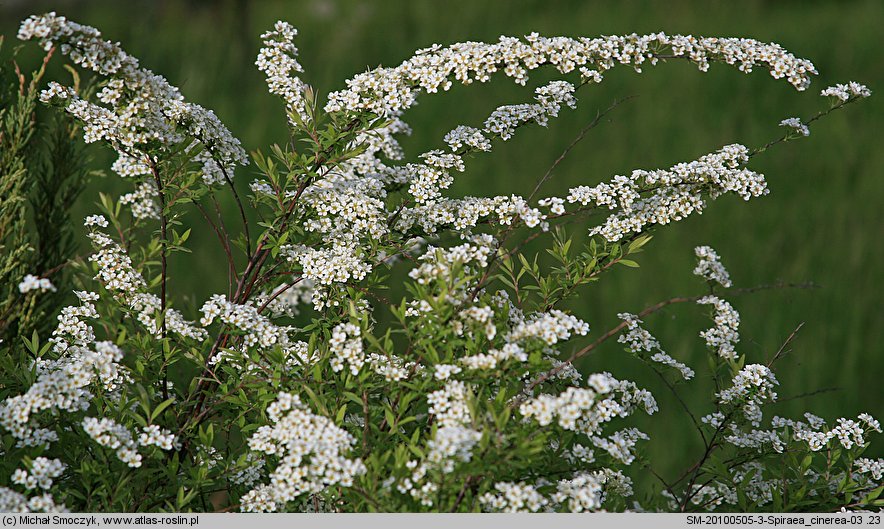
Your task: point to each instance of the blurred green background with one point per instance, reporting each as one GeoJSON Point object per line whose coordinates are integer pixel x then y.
{"type": "Point", "coordinates": [822, 221]}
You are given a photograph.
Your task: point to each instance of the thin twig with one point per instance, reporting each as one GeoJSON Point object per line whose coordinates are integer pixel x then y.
{"type": "Point", "coordinates": [782, 350]}
{"type": "Point", "coordinates": [163, 250]}
{"type": "Point", "coordinates": [592, 124]}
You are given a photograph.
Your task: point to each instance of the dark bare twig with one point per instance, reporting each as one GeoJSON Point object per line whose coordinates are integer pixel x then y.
{"type": "Point", "coordinates": [231, 267]}
{"type": "Point", "coordinates": [163, 265]}
{"type": "Point", "coordinates": [782, 350]}
{"type": "Point", "coordinates": [649, 310]}
{"type": "Point", "coordinates": [683, 404]}
{"type": "Point", "coordinates": [582, 134]}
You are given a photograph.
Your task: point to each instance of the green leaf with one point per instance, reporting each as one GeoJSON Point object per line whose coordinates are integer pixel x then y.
{"type": "Point", "coordinates": [159, 409]}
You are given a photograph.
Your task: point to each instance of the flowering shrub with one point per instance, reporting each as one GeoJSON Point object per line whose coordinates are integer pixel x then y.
{"type": "Point", "coordinates": [303, 387]}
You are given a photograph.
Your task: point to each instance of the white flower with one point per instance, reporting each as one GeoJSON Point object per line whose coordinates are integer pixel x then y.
{"type": "Point", "coordinates": [709, 266]}
{"type": "Point", "coordinates": [640, 340]}
{"type": "Point", "coordinates": [875, 467]}
{"type": "Point", "coordinates": [312, 455]}
{"type": "Point", "coordinates": [153, 435]}
{"type": "Point", "coordinates": [32, 282]}
{"type": "Point", "coordinates": [143, 110]}
{"type": "Point", "coordinates": [390, 91]}
{"type": "Point", "coordinates": [846, 91]}
{"type": "Point", "coordinates": [96, 220]}
{"type": "Point", "coordinates": [115, 436]}
{"type": "Point", "coordinates": [513, 497]}
{"type": "Point", "coordinates": [670, 194]}
{"type": "Point", "coordinates": [796, 125]}
{"type": "Point", "coordinates": [752, 386]}
{"type": "Point", "coordinates": [278, 60]}
{"type": "Point", "coordinates": [724, 336]}
{"type": "Point", "coordinates": [257, 329]}
{"type": "Point", "coordinates": [346, 345]}
{"type": "Point", "coordinates": [40, 474]}
{"type": "Point", "coordinates": [586, 410]}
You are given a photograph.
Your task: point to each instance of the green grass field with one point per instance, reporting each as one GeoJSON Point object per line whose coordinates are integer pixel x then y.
{"type": "Point", "coordinates": [822, 222]}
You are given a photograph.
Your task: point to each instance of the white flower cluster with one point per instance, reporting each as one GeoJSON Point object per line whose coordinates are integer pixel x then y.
{"type": "Point", "coordinates": [71, 329]}
{"type": "Point", "coordinates": [550, 327]}
{"type": "Point", "coordinates": [673, 194]}
{"type": "Point", "coordinates": [482, 317]}
{"type": "Point", "coordinates": [495, 357]}
{"type": "Point", "coordinates": [875, 467]}
{"type": "Point", "coordinates": [709, 266]}
{"type": "Point", "coordinates": [278, 61]}
{"type": "Point", "coordinates": [12, 501]}
{"type": "Point", "coordinates": [392, 368]}
{"type": "Point", "coordinates": [662, 358]}
{"type": "Point", "coordinates": [620, 444]}
{"type": "Point", "coordinates": [504, 121]}
{"type": "Point", "coordinates": [95, 220]}
{"type": "Point", "coordinates": [257, 329]}
{"type": "Point", "coordinates": [41, 471]}
{"type": "Point", "coordinates": [340, 263]}
{"type": "Point", "coordinates": [153, 435]}
{"type": "Point", "coordinates": [147, 306]}
{"type": "Point", "coordinates": [389, 91]}
{"type": "Point", "coordinates": [640, 340]}
{"type": "Point", "coordinates": [32, 282]}
{"type": "Point", "coordinates": [586, 491]}
{"type": "Point", "coordinates": [311, 451]}
{"type": "Point", "coordinates": [463, 137]}
{"type": "Point", "coordinates": [637, 337]}
{"type": "Point", "coordinates": [578, 453]}
{"type": "Point", "coordinates": [143, 108]}
{"type": "Point", "coordinates": [751, 387]}
{"type": "Point", "coordinates": [451, 444]}
{"type": "Point", "coordinates": [111, 434]}
{"type": "Point", "coordinates": [437, 263]}
{"type": "Point", "coordinates": [755, 439]}
{"type": "Point", "coordinates": [63, 384]}
{"type": "Point", "coordinates": [513, 497]}
{"type": "Point", "coordinates": [116, 273]}
{"type": "Point", "coordinates": [796, 125]}
{"type": "Point", "coordinates": [346, 345]}
{"type": "Point", "coordinates": [724, 336]}
{"type": "Point", "coordinates": [299, 356]}
{"type": "Point", "coordinates": [115, 270]}
{"type": "Point", "coordinates": [141, 201]}
{"type": "Point", "coordinates": [251, 474]}
{"type": "Point", "coordinates": [449, 404]}
{"type": "Point", "coordinates": [845, 92]}
{"type": "Point", "coordinates": [817, 435]}
{"type": "Point", "coordinates": [445, 371]}
{"type": "Point", "coordinates": [347, 207]}
{"type": "Point", "coordinates": [465, 213]}
{"type": "Point", "coordinates": [128, 167]}
{"type": "Point", "coordinates": [586, 410]}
